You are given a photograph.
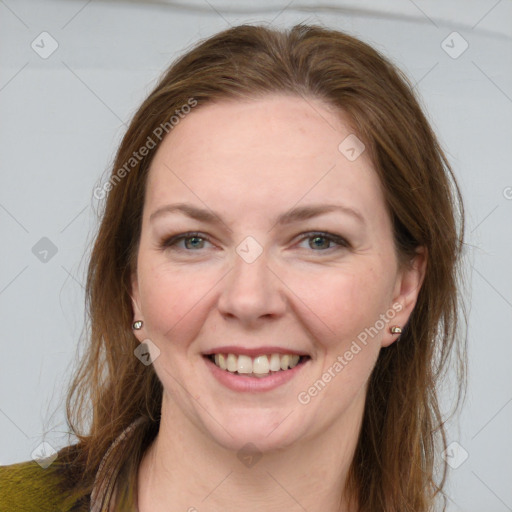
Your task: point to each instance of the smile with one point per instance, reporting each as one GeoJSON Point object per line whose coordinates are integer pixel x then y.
{"type": "Point", "coordinates": [259, 366]}
{"type": "Point", "coordinates": [242, 373]}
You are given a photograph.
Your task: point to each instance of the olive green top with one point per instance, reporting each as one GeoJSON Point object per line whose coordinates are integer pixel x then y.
{"type": "Point", "coordinates": [27, 487]}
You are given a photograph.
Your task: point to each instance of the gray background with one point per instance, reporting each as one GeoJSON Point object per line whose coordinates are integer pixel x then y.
{"type": "Point", "coordinates": [62, 118]}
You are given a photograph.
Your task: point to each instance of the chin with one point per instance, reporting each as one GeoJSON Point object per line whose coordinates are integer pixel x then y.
{"type": "Point", "coordinates": [266, 432]}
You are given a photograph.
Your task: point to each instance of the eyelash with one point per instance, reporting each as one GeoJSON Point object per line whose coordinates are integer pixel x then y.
{"type": "Point", "coordinates": [172, 241]}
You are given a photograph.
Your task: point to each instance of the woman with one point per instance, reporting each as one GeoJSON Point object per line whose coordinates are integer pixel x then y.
{"type": "Point", "coordinates": [272, 291]}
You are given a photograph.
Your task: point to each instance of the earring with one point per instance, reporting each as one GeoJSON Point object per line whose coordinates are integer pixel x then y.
{"type": "Point", "coordinates": [395, 329]}
{"type": "Point", "coordinates": [137, 326]}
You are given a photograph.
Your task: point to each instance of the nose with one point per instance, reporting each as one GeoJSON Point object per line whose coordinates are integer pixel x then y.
{"type": "Point", "coordinates": [252, 292]}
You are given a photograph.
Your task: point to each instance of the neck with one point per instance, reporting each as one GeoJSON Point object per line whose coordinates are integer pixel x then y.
{"type": "Point", "coordinates": [185, 470]}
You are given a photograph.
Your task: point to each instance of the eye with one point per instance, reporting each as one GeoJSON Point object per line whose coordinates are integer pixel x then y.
{"type": "Point", "coordinates": [321, 240]}
{"type": "Point", "coordinates": [192, 241]}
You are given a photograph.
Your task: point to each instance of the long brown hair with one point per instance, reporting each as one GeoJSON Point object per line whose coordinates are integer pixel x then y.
{"type": "Point", "coordinates": [396, 460]}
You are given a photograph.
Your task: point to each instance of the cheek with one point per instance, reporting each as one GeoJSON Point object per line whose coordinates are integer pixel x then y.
{"type": "Point", "coordinates": [171, 299]}
{"type": "Point", "coordinates": [348, 302]}
{"type": "Point", "coordinates": [342, 302]}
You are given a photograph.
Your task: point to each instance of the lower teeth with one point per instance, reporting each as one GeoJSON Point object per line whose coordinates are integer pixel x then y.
{"type": "Point", "coordinates": [258, 375]}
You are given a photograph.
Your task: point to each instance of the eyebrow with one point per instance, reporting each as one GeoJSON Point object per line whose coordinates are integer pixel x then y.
{"type": "Point", "coordinates": [294, 215]}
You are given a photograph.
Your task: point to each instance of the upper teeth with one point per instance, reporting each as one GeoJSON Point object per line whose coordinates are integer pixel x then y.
{"type": "Point", "coordinates": [258, 365]}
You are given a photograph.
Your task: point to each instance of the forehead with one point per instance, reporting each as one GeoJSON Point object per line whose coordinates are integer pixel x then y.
{"type": "Point", "coordinates": [277, 151]}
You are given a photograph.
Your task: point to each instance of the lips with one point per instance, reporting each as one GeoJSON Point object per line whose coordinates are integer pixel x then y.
{"type": "Point", "coordinates": [254, 382]}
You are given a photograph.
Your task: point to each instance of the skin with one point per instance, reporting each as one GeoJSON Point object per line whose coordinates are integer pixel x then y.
{"type": "Point", "coordinates": [249, 162]}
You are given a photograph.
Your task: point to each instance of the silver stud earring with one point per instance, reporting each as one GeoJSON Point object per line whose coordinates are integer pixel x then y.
{"type": "Point", "coordinates": [137, 326]}
{"type": "Point", "coordinates": [395, 329]}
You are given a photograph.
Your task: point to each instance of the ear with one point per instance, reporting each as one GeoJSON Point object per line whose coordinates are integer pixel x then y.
{"type": "Point", "coordinates": [137, 312]}
{"type": "Point", "coordinates": [407, 288]}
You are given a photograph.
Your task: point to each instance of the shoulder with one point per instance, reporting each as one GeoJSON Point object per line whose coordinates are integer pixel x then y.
{"type": "Point", "coordinates": [27, 487]}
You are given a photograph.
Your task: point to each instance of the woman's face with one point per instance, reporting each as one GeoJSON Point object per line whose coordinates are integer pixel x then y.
{"type": "Point", "coordinates": [291, 252]}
